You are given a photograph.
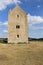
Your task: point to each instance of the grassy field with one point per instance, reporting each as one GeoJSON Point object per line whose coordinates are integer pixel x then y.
{"type": "Point", "coordinates": [21, 54]}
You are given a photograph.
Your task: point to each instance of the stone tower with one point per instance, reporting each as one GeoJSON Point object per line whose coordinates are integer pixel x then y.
{"type": "Point", "coordinates": [17, 26]}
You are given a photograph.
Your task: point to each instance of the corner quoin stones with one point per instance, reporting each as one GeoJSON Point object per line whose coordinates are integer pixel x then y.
{"type": "Point", "coordinates": [17, 26]}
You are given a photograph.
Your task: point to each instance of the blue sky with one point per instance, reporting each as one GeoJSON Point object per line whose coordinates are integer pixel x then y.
{"type": "Point", "coordinates": [34, 10]}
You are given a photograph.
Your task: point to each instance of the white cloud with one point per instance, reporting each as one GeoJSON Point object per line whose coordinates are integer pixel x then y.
{"type": "Point", "coordinates": [0, 23]}
{"type": "Point", "coordinates": [4, 3]}
{"type": "Point", "coordinates": [36, 35]}
{"type": "Point", "coordinates": [5, 31]}
{"type": "Point", "coordinates": [4, 23]}
{"type": "Point", "coordinates": [3, 35]}
{"type": "Point", "coordinates": [34, 20]}
{"type": "Point", "coordinates": [38, 6]}
{"type": "Point", "coordinates": [36, 28]}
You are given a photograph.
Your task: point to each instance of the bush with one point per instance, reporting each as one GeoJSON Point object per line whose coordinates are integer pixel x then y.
{"type": "Point", "coordinates": [3, 40]}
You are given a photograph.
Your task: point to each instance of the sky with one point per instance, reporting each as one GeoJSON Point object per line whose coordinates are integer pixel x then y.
{"type": "Point", "coordinates": [34, 10]}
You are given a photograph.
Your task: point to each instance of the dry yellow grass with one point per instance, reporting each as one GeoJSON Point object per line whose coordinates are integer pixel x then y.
{"type": "Point", "coordinates": [21, 54]}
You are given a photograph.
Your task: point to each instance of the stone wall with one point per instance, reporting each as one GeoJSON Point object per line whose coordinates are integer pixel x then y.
{"type": "Point", "coordinates": [17, 26]}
